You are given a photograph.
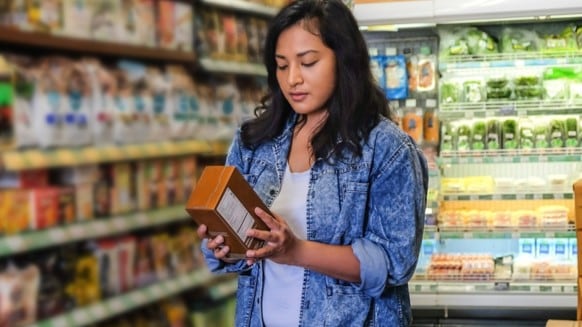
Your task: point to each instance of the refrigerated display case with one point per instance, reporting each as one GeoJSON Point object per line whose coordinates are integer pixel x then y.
{"type": "Point", "coordinates": [499, 241]}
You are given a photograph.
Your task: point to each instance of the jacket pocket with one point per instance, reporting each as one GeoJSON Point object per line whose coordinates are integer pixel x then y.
{"type": "Point", "coordinates": [345, 305]}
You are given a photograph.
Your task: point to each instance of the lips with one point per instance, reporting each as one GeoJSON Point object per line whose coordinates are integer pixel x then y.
{"type": "Point", "coordinates": [298, 96]}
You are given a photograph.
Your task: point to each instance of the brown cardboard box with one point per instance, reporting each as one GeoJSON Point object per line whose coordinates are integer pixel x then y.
{"type": "Point", "coordinates": [563, 323]}
{"type": "Point", "coordinates": [225, 202]}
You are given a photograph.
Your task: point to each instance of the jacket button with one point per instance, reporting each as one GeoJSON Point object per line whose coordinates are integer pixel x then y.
{"type": "Point", "coordinates": [272, 192]}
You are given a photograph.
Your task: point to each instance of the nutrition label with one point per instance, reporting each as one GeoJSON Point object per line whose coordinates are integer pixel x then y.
{"type": "Point", "coordinates": [235, 214]}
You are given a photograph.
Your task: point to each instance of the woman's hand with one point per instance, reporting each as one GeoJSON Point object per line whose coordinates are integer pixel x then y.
{"type": "Point", "coordinates": [280, 242]}
{"type": "Point", "coordinates": [215, 244]}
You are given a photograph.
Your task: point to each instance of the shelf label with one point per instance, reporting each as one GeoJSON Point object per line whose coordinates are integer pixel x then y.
{"type": "Point", "coordinates": [569, 289]}
{"type": "Point", "coordinates": [559, 196]}
{"type": "Point", "coordinates": [58, 235]}
{"type": "Point", "coordinates": [100, 228]}
{"type": "Point", "coordinates": [81, 317]}
{"type": "Point", "coordinates": [116, 305]}
{"type": "Point", "coordinates": [78, 232]}
{"type": "Point", "coordinates": [98, 311]}
{"type": "Point", "coordinates": [15, 243]}
{"type": "Point", "coordinates": [59, 322]}
{"type": "Point", "coordinates": [157, 291]}
{"type": "Point", "coordinates": [520, 196]}
{"type": "Point", "coordinates": [138, 298]}
{"type": "Point", "coordinates": [120, 223]}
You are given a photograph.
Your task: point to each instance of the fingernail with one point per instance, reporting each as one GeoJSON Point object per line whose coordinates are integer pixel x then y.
{"type": "Point", "coordinates": [219, 239]}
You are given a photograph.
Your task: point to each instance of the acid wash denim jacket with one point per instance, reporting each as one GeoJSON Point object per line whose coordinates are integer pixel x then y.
{"type": "Point", "coordinates": [375, 203]}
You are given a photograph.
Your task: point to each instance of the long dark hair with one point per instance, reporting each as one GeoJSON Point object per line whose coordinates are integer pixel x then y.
{"type": "Point", "coordinates": [357, 102]}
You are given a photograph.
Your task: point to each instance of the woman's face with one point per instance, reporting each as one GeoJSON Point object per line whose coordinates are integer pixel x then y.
{"type": "Point", "coordinates": [305, 69]}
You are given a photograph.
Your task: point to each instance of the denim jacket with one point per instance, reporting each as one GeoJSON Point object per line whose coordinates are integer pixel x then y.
{"type": "Point", "coordinates": [375, 203]}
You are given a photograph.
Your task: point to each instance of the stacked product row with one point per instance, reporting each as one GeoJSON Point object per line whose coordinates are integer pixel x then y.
{"type": "Point", "coordinates": [44, 284]}
{"type": "Point", "coordinates": [511, 133]}
{"type": "Point", "coordinates": [59, 101]}
{"type": "Point", "coordinates": [163, 23]}
{"type": "Point", "coordinates": [39, 199]}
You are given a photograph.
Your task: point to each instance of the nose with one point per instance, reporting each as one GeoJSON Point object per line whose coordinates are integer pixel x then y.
{"type": "Point", "coordinates": [294, 77]}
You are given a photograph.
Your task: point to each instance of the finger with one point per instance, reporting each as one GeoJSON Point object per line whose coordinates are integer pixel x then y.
{"type": "Point", "coordinates": [221, 252]}
{"type": "Point", "coordinates": [269, 220]}
{"type": "Point", "coordinates": [202, 231]}
{"type": "Point", "coordinates": [263, 235]}
{"type": "Point", "coordinates": [215, 242]}
{"type": "Point", "coordinates": [261, 253]}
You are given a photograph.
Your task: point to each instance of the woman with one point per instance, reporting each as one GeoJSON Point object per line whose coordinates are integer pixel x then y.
{"type": "Point", "coordinates": [346, 186]}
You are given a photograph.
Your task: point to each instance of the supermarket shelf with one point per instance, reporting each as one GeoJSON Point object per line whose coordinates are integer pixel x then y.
{"type": "Point", "coordinates": [232, 67]}
{"type": "Point", "coordinates": [494, 301]}
{"type": "Point", "coordinates": [460, 110]}
{"type": "Point", "coordinates": [502, 233]}
{"type": "Point", "coordinates": [510, 196]}
{"type": "Point", "coordinates": [511, 156]}
{"type": "Point", "coordinates": [535, 287]}
{"type": "Point", "coordinates": [86, 46]}
{"type": "Point", "coordinates": [243, 6]}
{"type": "Point", "coordinates": [28, 241]}
{"type": "Point", "coordinates": [126, 302]}
{"type": "Point", "coordinates": [517, 60]}
{"type": "Point", "coordinates": [38, 158]}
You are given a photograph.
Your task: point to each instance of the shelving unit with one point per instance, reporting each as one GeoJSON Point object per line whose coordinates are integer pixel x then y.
{"type": "Point", "coordinates": [242, 6]}
{"type": "Point", "coordinates": [232, 67]}
{"type": "Point", "coordinates": [37, 158]}
{"type": "Point", "coordinates": [28, 241]}
{"type": "Point", "coordinates": [135, 299]}
{"type": "Point", "coordinates": [37, 40]}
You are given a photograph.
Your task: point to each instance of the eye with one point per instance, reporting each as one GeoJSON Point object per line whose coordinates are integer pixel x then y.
{"type": "Point", "coordinates": [281, 67]}
{"type": "Point", "coordinates": [309, 64]}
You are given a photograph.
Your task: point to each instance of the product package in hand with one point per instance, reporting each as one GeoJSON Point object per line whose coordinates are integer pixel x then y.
{"type": "Point", "coordinates": [224, 202]}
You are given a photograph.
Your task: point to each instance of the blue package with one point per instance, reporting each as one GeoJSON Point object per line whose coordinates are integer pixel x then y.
{"type": "Point", "coordinates": [396, 77]}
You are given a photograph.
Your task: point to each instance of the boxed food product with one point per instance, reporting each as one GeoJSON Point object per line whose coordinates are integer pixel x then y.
{"type": "Point", "coordinates": [225, 203]}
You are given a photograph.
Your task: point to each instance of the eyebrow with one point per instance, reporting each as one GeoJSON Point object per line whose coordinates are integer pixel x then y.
{"type": "Point", "coordinates": [300, 54]}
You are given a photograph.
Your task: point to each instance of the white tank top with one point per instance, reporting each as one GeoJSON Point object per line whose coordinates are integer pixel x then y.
{"type": "Point", "coordinates": [284, 283]}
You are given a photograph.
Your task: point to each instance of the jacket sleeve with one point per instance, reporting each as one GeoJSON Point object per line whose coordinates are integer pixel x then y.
{"type": "Point", "coordinates": [389, 250]}
{"type": "Point", "coordinates": [233, 158]}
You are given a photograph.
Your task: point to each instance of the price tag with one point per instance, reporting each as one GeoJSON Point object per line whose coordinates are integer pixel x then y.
{"type": "Point", "coordinates": [534, 288]}
{"type": "Point", "coordinates": [430, 103]}
{"type": "Point", "coordinates": [58, 235]}
{"type": "Point", "coordinates": [559, 196]}
{"type": "Point", "coordinates": [15, 243]}
{"type": "Point", "coordinates": [142, 219]}
{"type": "Point", "coordinates": [473, 197]}
{"type": "Point", "coordinates": [81, 317]}
{"type": "Point", "coordinates": [100, 227]}
{"type": "Point", "coordinates": [172, 286]}
{"type": "Point", "coordinates": [543, 159]}
{"type": "Point", "coordinates": [556, 289]}
{"type": "Point", "coordinates": [515, 235]}
{"type": "Point", "coordinates": [468, 235]}
{"type": "Point", "coordinates": [550, 234]}
{"type": "Point", "coordinates": [59, 322]}
{"type": "Point", "coordinates": [410, 103]}
{"type": "Point", "coordinates": [537, 196]}
{"type": "Point", "coordinates": [184, 281]}
{"type": "Point", "coordinates": [138, 298]}
{"type": "Point", "coordinates": [569, 289]}
{"type": "Point", "coordinates": [520, 196]}
{"type": "Point", "coordinates": [98, 311]}
{"type": "Point", "coordinates": [157, 291]}
{"type": "Point", "coordinates": [489, 113]}
{"type": "Point", "coordinates": [485, 64]}
{"type": "Point", "coordinates": [478, 160]}
{"type": "Point", "coordinates": [116, 305]}
{"type": "Point", "coordinates": [469, 114]}
{"type": "Point", "coordinates": [78, 232]}
{"type": "Point", "coordinates": [120, 223]}
{"type": "Point", "coordinates": [519, 63]}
